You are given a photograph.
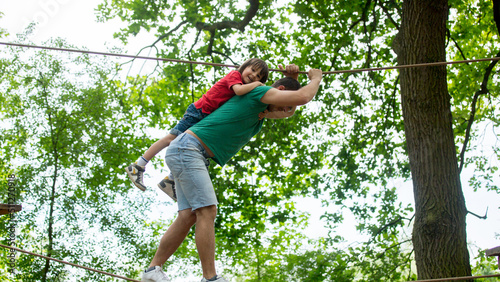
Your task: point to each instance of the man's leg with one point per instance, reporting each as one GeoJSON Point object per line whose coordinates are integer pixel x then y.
{"type": "Point", "coordinates": [188, 161]}
{"type": "Point", "coordinates": [205, 239]}
{"type": "Point", "coordinates": [174, 236]}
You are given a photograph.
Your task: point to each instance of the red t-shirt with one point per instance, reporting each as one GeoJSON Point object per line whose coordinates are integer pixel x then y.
{"type": "Point", "coordinates": [219, 93]}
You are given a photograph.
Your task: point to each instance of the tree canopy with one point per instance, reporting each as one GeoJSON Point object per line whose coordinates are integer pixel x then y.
{"type": "Point", "coordinates": [73, 135]}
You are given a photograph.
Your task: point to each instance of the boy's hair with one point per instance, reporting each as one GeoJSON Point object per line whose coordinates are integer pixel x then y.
{"type": "Point", "coordinates": [288, 82]}
{"type": "Point", "coordinates": [258, 63]}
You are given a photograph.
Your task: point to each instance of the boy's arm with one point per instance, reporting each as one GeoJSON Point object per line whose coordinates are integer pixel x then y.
{"type": "Point", "coordinates": [242, 89]}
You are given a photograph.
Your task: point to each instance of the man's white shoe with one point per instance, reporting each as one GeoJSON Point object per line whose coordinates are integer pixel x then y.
{"type": "Point", "coordinates": [219, 279]}
{"type": "Point", "coordinates": [154, 275]}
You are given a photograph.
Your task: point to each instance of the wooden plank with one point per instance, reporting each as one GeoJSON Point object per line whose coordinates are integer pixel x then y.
{"type": "Point", "coordinates": [494, 252]}
{"type": "Point", "coordinates": [6, 209]}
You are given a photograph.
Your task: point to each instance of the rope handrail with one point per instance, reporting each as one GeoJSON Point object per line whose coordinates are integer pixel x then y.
{"type": "Point", "coordinates": [70, 263]}
{"type": "Point", "coordinates": [234, 66]}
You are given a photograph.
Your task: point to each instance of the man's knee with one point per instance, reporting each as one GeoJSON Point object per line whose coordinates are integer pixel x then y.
{"type": "Point", "coordinates": [207, 213]}
{"type": "Point", "coordinates": [187, 217]}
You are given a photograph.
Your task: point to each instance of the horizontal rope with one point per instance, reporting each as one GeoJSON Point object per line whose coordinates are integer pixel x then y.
{"type": "Point", "coordinates": [130, 279]}
{"type": "Point", "coordinates": [234, 66]}
{"type": "Point", "coordinates": [69, 263]}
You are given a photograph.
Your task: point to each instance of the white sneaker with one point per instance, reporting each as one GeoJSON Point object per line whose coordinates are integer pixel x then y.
{"type": "Point", "coordinates": [136, 173]}
{"type": "Point", "coordinates": [219, 279]}
{"type": "Point", "coordinates": [167, 185]}
{"type": "Point", "coordinates": [154, 275]}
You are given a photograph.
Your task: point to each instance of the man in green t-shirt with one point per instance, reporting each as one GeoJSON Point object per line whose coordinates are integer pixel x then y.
{"type": "Point", "coordinates": [219, 136]}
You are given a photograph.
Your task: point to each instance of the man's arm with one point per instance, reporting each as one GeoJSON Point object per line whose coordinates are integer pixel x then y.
{"type": "Point", "coordinates": [291, 70]}
{"type": "Point", "coordinates": [278, 112]}
{"type": "Point", "coordinates": [298, 97]}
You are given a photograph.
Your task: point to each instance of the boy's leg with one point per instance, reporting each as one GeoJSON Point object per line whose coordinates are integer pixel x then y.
{"type": "Point", "coordinates": [158, 146]}
{"type": "Point", "coordinates": [136, 170]}
{"type": "Point", "coordinates": [167, 185]}
{"type": "Point", "coordinates": [191, 117]}
{"type": "Point", "coordinates": [135, 173]}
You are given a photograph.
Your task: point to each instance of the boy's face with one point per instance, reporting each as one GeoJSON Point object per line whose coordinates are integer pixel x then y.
{"type": "Point", "coordinates": [251, 74]}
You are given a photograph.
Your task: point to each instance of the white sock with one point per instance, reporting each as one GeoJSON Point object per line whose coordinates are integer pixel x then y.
{"type": "Point", "coordinates": [142, 161]}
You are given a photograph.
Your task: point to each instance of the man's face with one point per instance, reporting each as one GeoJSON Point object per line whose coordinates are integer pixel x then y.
{"type": "Point", "coordinates": [274, 108]}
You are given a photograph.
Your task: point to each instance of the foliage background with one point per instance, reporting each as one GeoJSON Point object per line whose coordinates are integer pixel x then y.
{"type": "Point", "coordinates": [342, 168]}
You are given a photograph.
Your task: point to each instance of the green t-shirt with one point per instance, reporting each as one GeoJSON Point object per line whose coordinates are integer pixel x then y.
{"type": "Point", "coordinates": [231, 126]}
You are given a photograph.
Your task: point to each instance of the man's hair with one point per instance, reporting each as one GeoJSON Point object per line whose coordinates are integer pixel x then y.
{"type": "Point", "coordinates": [257, 63]}
{"type": "Point", "coordinates": [288, 82]}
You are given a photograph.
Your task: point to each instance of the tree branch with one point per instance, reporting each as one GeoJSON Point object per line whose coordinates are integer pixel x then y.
{"type": "Point", "coordinates": [373, 27]}
{"type": "Point", "coordinates": [363, 16]}
{"type": "Point", "coordinates": [386, 226]}
{"type": "Point", "coordinates": [225, 56]}
{"type": "Point", "coordinates": [389, 16]}
{"type": "Point", "coordinates": [153, 45]}
{"type": "Point", "coordinates": [380, 255]}
{"type": "Point", "coordinates": [251, 12]}
{"type": "Point", "coordinates": [168, 33]}
{"type": "Point", "coordinates": [239, 25]}
{"type": "Point", "coordinates": [191, 65]}
{"type": "Point", "coordinates": [448, 34]}
{"type": "Point", "coordinates": [483, 90]}
{"type": "Point", "coordinates": [478, 216]}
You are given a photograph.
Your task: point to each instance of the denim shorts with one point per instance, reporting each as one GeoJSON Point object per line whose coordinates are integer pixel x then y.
{"type": "Point", "coordinates": [191, 117]}
{"type": "Point", "coordinates": [188, 162]}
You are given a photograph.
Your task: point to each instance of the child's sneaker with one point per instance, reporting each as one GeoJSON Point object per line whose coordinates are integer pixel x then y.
{"type": "Point", "coordinates": [217, 279]}
{"type": "Point", "coordinates": [136, 173]}
{"type": "Point", "coordinates": [167, 185]}
{"type": "Point", "coordinates": [154, 275]}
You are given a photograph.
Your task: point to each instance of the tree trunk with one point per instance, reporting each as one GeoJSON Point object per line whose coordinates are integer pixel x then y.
{"type": "Point", "coordinates": [439, 233]}
{"type": "Point", "coordinates": [50, 228]}
{"type": "Point", "coordinates": [55, 162]}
